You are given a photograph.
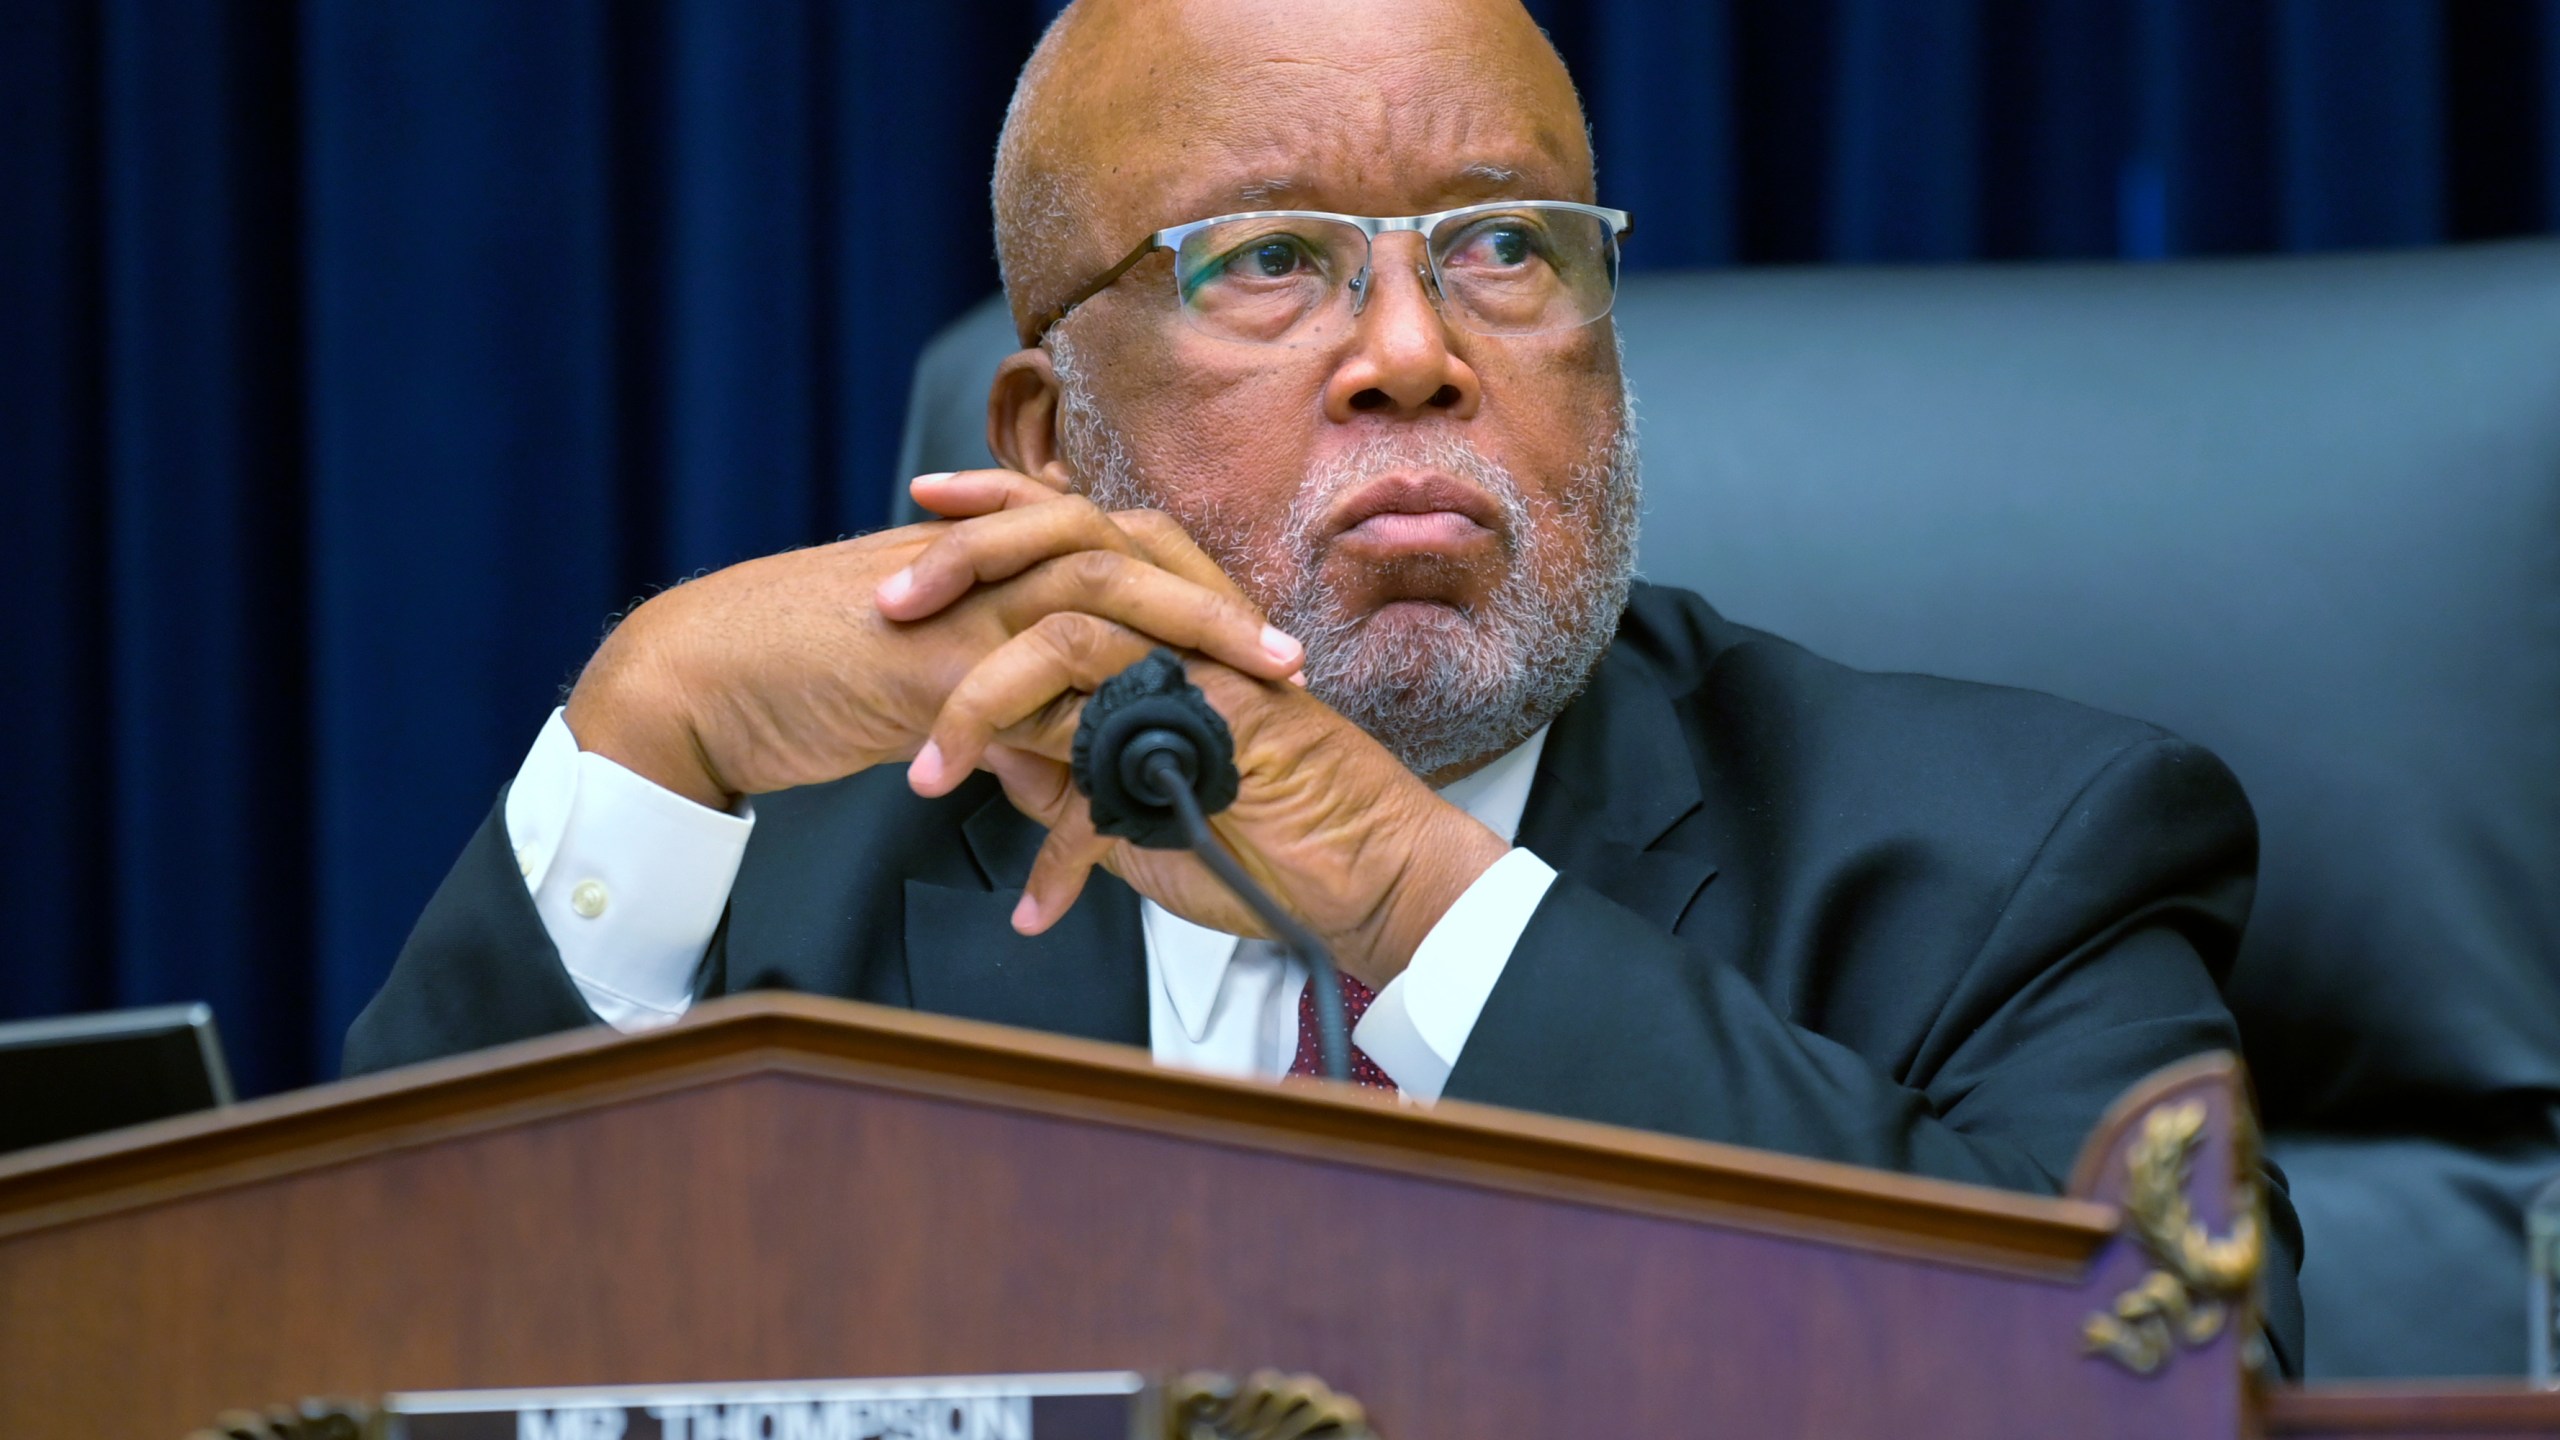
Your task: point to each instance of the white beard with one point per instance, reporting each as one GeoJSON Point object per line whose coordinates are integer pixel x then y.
{"type": "Point", "coordinates": [1439, 686]}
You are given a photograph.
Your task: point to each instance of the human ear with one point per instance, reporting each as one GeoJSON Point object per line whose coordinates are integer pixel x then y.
{"type": "Point", "coordinates": [1022, 418]}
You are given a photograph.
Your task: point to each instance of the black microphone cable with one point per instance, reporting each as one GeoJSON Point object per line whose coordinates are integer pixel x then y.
{"type": "Point", "coordinates": [1155, 761]}
{"type": "Point", "coordinates": [1332, 1026]}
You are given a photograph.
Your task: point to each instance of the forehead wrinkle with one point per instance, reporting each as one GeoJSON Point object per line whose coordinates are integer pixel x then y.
{"type": "Point", "coordinates": [1436, 80]}
{"type": "Point", "coordinates": [1276, 192]}
{"type": "Point", "coordinates": [1261, 194]}
{"type": "Point", "coordinates": [1459, 184]}
{"type": "Point", "coordinates": [1327, 160]}
{"type": "Point", "coordinates": [1315, 62]}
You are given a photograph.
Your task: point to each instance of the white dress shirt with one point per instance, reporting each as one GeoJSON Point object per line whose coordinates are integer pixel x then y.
{"type": "Point", "coordinates": [630, 880]}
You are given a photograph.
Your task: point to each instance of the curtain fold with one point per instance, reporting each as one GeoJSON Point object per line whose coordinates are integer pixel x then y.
{"type": "Point", "coordinates": [357, 362]}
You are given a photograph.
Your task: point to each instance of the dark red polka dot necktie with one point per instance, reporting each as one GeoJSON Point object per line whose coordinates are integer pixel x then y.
{"type": "Point", "coordinates": [1355, 1003]}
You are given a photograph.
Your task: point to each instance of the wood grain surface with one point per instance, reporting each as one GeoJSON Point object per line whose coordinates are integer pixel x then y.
{"type": "Point", "coordinates": [2486, 1410]}
{"type": "Point", "coordinates": [785, 1187]}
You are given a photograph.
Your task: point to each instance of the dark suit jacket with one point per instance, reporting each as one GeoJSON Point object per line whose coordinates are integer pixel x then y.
{"type": "Point", "coordinates": [1898, 921]}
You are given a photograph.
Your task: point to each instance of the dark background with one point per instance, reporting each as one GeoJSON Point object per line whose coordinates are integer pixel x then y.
{"type": "Point", "coordinates": [357, 360]}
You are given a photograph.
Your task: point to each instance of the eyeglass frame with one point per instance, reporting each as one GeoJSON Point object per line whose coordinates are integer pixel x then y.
{"type": "Point", "coordinates": [1620, 224]}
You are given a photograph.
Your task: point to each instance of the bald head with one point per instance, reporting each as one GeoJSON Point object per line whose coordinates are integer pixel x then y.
{"type": "Point", "coordinates": [1137, 114]}
{"type": "Point", "coordinates": [1467, 612]}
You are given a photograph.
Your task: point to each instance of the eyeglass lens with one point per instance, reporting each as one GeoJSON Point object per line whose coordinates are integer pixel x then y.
{"type": "Point", "coordinates": [1514, 271]}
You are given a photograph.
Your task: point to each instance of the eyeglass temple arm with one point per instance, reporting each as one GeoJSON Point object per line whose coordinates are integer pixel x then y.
{"type": "Point", "coordinates": [1100, 283]}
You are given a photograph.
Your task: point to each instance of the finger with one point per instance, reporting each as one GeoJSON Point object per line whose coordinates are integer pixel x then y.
{"type": "Point", "coordinates": [1162, 539]}
{"type": "Point", "coordinates": [1153, 601]}
{"type": "Point", "coordinates": [960, 494]}
{"type": "Point", "coordinates": [1058, 873]}
{"type": "Point", "coordinates": [1049, 730]}
{"type": "Point", "coordinates": [1037, 786]}
{"type": "Point", "coordinates": [1066, 654]}
{"type": "Point", "coordinates": [1095, 566]}
{"type": "Point", "coordinates": [1042, 790]}
{"type": "Point", "coordinates": [993, 547]}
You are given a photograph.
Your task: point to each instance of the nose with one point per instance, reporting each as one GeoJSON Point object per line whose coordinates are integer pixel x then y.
{"type": "Point", "coordinates": [1400, 361]}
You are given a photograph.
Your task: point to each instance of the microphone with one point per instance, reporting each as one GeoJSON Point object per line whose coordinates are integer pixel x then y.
{"type": "Point", "coordinates": [1155, 761]}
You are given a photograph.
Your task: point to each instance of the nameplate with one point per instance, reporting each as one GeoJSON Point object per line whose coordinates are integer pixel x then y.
{"type": "Point", "coordinates": [1106, 1406]}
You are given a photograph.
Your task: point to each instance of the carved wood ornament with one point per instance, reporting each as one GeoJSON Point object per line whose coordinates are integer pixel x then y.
{"type": "Point", "coordinates": [2198, 1278]}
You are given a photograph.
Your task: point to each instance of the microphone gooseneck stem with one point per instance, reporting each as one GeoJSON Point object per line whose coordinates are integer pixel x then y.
{"type": "Point", "coordinates": [1333, 1032]}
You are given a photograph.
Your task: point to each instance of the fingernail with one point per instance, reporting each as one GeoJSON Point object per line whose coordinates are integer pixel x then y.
{"type": "Point", "coordinates": [895, 588]}
{"type": "Point", "coordinates": [930, 479]}
{"type": "Point", "coordinates": [1026, 914]}
{"type": "Point", "coordinates": [925, 771]}
{"type": "Point", "coordinates": [1299, 679]}
{"type": "Point", "coordinates": [1280, 645]}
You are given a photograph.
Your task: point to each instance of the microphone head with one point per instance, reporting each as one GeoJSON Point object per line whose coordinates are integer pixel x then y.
{"type": "Point", "coordinates": [1148, 709]}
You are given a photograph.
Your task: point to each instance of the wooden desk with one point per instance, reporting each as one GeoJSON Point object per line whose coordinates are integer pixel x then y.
{"type": "Point", "coordinates": [787, 1187]}
{"type": "Point", "coordinates": [2481, 1411]}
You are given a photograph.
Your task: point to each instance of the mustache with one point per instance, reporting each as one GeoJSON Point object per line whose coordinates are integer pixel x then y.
{"type": "Point", "coordinates": [1385, 452]}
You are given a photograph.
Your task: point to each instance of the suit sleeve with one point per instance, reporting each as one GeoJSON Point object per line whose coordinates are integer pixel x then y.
{"type": "Point", "coordinates": [478, 968]}
{"type": "Point", "coordinates": [2094, 974]}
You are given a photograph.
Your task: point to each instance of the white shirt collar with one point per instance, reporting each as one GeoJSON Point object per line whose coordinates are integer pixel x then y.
{"type": "Point", "coordinates": [1194, 960]}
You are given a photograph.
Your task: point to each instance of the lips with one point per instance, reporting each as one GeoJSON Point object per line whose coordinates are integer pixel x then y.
{"type": "Point", "coordinates": [1416, 510]}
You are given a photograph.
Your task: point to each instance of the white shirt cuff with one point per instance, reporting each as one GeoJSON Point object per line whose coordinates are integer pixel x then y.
{"type": "Point", "coordinates": [628, 877]}
{"type": "Point", "coordinates": [1417, 1025]}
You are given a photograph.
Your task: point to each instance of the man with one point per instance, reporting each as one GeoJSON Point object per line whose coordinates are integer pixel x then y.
{"type": "Point", "coordinates": [1375, 477]}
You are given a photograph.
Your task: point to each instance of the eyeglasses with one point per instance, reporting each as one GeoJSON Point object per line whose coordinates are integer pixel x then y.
{"type": "Point", "coordinates": [1272, 277]}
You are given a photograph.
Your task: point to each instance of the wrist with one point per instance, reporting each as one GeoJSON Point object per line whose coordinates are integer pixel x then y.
{"type": "Point", "coordinates": [630, 706]}
{"type": "Point", "coordinates": [1438, 860]}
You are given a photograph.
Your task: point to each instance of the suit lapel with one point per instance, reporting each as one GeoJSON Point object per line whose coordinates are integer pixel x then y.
{"type": "Point", "coordinates": [1615, 778]}
{"type": "Point", "coordinates": [1086, 976]}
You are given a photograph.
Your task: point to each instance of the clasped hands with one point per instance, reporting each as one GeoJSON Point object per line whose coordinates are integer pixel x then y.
{"type": "Point", "coordinates": [969, 643]}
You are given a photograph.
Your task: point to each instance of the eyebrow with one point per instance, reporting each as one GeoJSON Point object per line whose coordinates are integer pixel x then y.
{"type": "Point", "coordinates": [1259, 194]}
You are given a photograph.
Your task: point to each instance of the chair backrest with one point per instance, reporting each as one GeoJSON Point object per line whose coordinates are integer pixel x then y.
{"type": "Point", "coordinates": [2306, 511]}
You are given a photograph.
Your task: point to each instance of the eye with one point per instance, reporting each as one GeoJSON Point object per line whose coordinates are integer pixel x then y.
{"type": "Point", "coordinates": [1273, 259]}
{"type": "Point", "coordinates": [1504, 243]}
{"type": "Point", "coordinates": [1257, 260]}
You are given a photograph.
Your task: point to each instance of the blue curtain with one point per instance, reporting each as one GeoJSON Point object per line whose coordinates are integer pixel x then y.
{"type": "Point", "coordinates": [358, 359]}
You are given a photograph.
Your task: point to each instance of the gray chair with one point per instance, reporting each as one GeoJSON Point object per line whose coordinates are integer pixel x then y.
{"type": "Point", "coordinates": [2304, 510]}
